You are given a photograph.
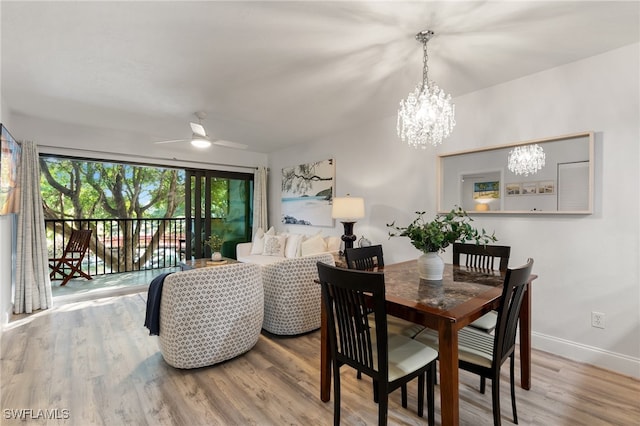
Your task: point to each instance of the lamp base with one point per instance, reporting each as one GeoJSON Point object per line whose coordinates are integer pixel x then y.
{"type": "Point", "coordinates": [348, 236]}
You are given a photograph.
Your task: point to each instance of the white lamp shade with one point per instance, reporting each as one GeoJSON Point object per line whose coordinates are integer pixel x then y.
{"type": "Point", "coordinates": [347, 208]}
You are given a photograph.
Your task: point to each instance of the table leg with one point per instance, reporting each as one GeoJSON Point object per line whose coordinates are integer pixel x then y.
{"type": "Point", "coordinates": [525, 340]}
{"type": "Point", "coordinates": [449, 379]}
{"type": "Point", "coordinates": [325, 358]}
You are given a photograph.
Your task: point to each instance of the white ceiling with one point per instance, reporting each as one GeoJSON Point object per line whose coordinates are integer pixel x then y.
{"type": "Point", "coordinates": [271, 74]}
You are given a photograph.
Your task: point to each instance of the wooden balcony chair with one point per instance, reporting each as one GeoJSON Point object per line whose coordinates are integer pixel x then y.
{"type": "Point", "coordinates": [69, 265]}
{"type": "Point", "coordinates": [390, 360]}
{"type": "Point", "coordinates": [482, 353]}
{"type": "Point", "coordinates": [483, 257]}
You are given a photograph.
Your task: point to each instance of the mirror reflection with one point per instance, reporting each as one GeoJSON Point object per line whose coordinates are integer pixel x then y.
{"type": "Point", "coordinates": [480, 181]}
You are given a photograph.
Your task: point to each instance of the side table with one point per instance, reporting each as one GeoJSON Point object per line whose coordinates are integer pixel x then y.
{"type": "Point", "coordinates": [204, 263]}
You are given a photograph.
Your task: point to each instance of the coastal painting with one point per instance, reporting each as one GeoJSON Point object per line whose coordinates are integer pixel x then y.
{"type": "Point", "coordinates": [307, 193]}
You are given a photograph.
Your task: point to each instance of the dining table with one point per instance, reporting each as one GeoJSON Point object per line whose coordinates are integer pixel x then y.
{"type": "Point", "coordinates": [463, 295]}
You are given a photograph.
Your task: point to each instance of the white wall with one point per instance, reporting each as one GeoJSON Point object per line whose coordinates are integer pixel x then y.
{"type": "Point", "coordinates": [585, 263]}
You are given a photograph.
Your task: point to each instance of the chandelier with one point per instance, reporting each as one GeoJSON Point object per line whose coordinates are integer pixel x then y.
{"type": "Point", "coordinates": [526, 160]}
{"type": "Point", "coordinates": [427, 115]}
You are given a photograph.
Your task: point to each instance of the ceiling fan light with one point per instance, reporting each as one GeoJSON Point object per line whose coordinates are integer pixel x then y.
{"type": "Point", "coordinates": [200, 142]}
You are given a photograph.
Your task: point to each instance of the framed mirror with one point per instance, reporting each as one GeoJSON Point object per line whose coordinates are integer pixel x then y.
{"type": "Point", "coordinates": [482, 181]}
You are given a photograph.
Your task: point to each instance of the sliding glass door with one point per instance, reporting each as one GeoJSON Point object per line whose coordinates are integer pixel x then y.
{"type": "Point", "coordinates": [217, 203]}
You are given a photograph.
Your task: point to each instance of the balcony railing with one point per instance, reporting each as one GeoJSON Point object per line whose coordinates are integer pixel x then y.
{"type": "Point", "coordinates": [122, 245]}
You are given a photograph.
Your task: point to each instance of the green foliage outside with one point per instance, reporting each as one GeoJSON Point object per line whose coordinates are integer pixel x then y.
{"type": "Point", "coordinates": [83, 189]}
{"type": "Point", "coordinates": [74, 189]}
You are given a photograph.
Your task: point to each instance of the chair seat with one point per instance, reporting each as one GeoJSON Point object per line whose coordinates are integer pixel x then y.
{"type": "Point", "coordinates": [399, 326]}
{"type": "Point", "coordinates": [487, 322]}
{"type": "Point", "coordinates": [474, 346]}
{"type": "Point", "coordinates": [405, 355]}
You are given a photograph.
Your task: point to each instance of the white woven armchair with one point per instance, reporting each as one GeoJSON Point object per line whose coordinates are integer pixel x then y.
{"type": "Point", "coordinates": [292, 300]}
{"type": "Point", "coordinates": [210, 315]}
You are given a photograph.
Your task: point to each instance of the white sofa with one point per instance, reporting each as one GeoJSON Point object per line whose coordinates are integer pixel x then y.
{"type": "Point", "coordinates": [293, 246]}
{"type": "Point", "coordinates": [292, 298]}
{"type": "Point", "coordinates": [210, 315]}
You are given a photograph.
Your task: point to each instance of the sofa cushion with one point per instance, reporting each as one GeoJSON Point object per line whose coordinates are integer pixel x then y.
{"type": "Point", "coordinates": [258, 240]}
{"type": "Point", "coordinates": [333, 243]}
{"type": "Point", "coordinates": [293, 246]}
{"type": "Point", "coordinates": [260, 259]}
{"type": "Point", "coordinates": [257, 245]}
{"type": "Point", "coordinates": [313, 245]}
{"type": "Point", "coordinates": [274, 245]}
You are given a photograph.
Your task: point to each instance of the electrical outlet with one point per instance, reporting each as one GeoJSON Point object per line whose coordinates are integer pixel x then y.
{"type": "Point", "coordinates": [597, 319]}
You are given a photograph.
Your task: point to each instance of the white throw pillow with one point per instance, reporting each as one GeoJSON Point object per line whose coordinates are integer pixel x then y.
{"type": "Point", "coordinates": [292, 248]}
{"type": "Point", "coordinates": [274, 245]}
{"type": "Point", "coordinates": [257, 246]}
{"type": "Point", "coordinates": [333, 243]}
{"type": "Point", "coordinates": [313, 245]}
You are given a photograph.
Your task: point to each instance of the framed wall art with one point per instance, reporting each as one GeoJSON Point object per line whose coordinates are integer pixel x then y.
{"type": "Point", "coordinates": [514, 188]}
{"type": "Point", "coordinates": [307, 193]}
{"type": "Point", "coordinates": [546, 187]}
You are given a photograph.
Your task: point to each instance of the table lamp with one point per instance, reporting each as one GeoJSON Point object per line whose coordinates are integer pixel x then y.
{"type": "Point", "coordinates": [347, 209]}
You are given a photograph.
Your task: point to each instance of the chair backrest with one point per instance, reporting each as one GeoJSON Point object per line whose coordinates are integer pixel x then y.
{"type": "Point", "coordinates": [78, 244]}
{"type": "Point", "coordinates": [515, 284]}
{"type": "Point", "coordinates": [344, 293]}
{"type": "Point", "coordinates": [481, 256]}
{"type": "Point", "coordinates": [364, 258]}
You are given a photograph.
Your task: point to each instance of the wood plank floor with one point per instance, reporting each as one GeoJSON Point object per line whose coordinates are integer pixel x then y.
{"type": "Point", "coordinates": [95, 363]}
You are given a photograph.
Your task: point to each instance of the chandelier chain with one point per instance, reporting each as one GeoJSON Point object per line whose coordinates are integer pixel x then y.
{"type": "Point", "coordinates": [425, 66]}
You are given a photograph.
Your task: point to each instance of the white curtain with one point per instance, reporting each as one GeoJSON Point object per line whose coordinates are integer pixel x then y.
{"type": "Point", "coordinates": [33, 286]}
{"type": "Point", "coordinates": [260, 219]}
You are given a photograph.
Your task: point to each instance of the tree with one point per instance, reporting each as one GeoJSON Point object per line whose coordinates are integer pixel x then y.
{"type": "Point", "coordinates": [74, 189]}
{"type": "Point", "coordinates": [300, 179]}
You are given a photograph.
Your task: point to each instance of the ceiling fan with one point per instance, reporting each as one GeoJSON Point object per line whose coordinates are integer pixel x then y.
{"type": "Point", "coordinates": [199, 138]}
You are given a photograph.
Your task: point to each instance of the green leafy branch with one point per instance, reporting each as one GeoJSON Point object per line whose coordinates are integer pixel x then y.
{"type": "Point", "coordinates": [436, 235]}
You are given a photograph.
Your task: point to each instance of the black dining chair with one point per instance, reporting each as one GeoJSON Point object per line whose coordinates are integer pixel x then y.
{"type": "Point", "coordinates": [483, 257]}
{"type": "Point", "coordinates": [364, 258]}
{"type": "Point", "coordinates": [482, 353]}
{"type": "Point", "coordinates": [370, 259]}
{"type": "Point", "coordinates": [390, 360]}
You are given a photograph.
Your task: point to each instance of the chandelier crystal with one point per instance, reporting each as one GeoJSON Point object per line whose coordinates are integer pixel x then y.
{"type": "Point", "coordinates": [526, 160]}
{"type": "Point", "coordinates": [427, 115]}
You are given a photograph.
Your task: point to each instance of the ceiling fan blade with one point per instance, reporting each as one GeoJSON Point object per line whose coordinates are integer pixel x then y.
{"type": "Point", "coordinates": [229, 144]}
{"type": "Point", "coordinates": [198, 129]}
{"type": "Point", "coordinates": [172, 141]}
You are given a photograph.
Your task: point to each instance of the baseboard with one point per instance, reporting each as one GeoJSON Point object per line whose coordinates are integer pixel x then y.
{"type": "Point", "coordinates": [623, 364]}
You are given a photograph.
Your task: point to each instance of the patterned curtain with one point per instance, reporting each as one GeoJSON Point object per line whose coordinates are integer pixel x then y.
{"type": "Point", "coordinates": [33, 286]}
{"type": "Point", "coordinates": [260, 199]}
